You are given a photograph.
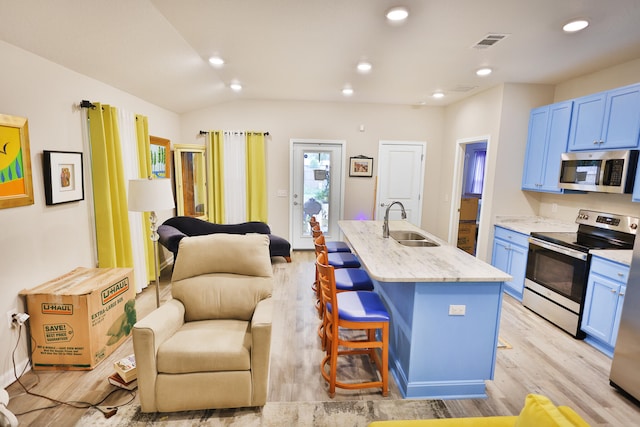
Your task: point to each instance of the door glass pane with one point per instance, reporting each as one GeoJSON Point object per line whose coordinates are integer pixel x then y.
{"type": "Point", "coordinates": [317, 189]}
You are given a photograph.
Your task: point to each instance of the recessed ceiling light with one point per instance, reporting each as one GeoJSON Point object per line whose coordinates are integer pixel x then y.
{"type": "Point", "coordinates": [235, 86]}
{"type": "Point", "coordinates": [484, 71]}
{"type": "Point", "coordinates": [397, 14]}
{"type": "Point", "coordinates": [438, 95]}
{"type": "Point", "coordinates": [364, 67]}
{"type": "Point", "coordinates": [216, 61]}
{"type": "Point", "coordinates": [575, 25]}
{"type": "Point", "coordinates": [347, 91]}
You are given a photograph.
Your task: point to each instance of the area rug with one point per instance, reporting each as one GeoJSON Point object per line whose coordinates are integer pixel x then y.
{"type": "Point", "coordinates": [353, 413]}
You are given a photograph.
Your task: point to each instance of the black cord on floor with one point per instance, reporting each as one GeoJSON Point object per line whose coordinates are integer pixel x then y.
{"type": "Point", "coordinates": [108, 412]}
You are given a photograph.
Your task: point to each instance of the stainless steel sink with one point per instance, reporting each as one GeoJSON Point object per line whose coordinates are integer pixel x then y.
{"type": "Point", "coordinates": [406, 235]}
{"type": "Point", "coordinates": [411, 238]}
{"type": "Point", "coordinates": [418, 243]}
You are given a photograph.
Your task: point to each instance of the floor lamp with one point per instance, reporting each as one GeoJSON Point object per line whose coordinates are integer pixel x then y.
{"type": "Point", "coordinates": [151, 195]}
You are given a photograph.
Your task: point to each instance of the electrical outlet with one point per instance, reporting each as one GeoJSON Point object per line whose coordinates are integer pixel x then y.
{"type": "Point", "coordinates": [10, 314]}
{"type": "Point", "coordinates": [457, 310]}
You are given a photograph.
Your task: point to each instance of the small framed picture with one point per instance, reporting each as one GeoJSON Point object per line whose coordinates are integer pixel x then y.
{"type": "Point", "coordinates": [361, 166]}
{"type": "Point", "coordinates": [160, 157]}
{"type": "Point", "coordinates": [62, 177]}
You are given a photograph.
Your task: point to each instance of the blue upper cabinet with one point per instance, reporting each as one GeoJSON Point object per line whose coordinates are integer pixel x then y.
{"type": "Point", "coordinates": [546, 141]}
{"type": "Point", "coordinates": [607, 120]}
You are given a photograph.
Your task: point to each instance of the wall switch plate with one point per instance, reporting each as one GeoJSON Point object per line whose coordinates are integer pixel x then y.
{"type": "Point", "coordinates": [457, 310]}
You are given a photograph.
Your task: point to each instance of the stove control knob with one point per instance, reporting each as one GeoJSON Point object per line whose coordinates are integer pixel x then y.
{"type": "Point", "coordinates": [634, 226]}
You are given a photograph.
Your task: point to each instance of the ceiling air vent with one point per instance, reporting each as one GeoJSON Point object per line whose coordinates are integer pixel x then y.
{"type": "Point", "coordinates": [489, 40]}
{"type": "Point", "coordinates": [462, 88]}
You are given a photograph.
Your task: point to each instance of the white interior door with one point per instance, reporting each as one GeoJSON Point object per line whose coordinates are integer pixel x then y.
{"type": "Point", "coordinates": [401, 178]}
{"type": "Point", "coordinates": [317, 183]}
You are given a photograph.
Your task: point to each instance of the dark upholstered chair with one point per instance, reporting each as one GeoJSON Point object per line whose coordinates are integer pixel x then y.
{"type": "Point", "coordinates": [174, 229]}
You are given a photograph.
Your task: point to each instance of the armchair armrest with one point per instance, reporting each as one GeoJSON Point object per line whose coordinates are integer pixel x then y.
{"type": "Point", "coordinates": [148, 334]}
{"type": "Point", "coordinates": [170, 237]}
{"type": "Point", "coordinates": [261, 349]}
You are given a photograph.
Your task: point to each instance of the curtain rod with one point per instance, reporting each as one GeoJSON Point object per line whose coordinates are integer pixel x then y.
{"type": "Point", "coordinates": [204, 132]}
{"type": "Point", "coordinates": [87, 104]}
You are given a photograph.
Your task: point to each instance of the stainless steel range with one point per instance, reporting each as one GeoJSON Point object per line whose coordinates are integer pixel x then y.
{"type": "Point", "coordinates": [558, 265]}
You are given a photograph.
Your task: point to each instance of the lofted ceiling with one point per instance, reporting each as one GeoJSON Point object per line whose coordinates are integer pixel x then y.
{"type": "Point", "coordinates": [307, 50]}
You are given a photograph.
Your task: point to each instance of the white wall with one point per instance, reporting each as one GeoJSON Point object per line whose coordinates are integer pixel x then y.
{"type": "Point", "coordinates": [39, 242]}
{"type": "Point", "coordinates": [502, 114]}
{"type": "Point", "coordinates": [338, 121]}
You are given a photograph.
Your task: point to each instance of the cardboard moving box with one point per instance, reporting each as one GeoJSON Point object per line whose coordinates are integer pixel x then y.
{"type": "Point", "coordinates": [80, 318]}
{"type": "Point", "coordinates": [467, 237]}
{"type": "Point", "coordinates": [468, 209]}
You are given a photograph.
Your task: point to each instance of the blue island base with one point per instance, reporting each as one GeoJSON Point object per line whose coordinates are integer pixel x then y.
{"type": "Point", "coordinates": [443, 336]}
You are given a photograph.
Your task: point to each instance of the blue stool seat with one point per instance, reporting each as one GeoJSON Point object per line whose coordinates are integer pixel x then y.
{"type": "Point", "coordinates": [361, 306]}
{"type": "Point", "coordinates": [343, 260]}
{"type": "Point", "coordinates": [352, 279]}
{"type": "Point", "coordinates": [337, 246]}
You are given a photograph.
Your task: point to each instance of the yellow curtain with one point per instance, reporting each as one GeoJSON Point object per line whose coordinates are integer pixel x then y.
{"type": "Point", "coordinates": [215, 177]}
{"type": "Point", "coordinates": [109, 189]}
{"type": "Point", "coordinates": [144, 164]}
{"type": "Point", "coordinates": [256, 178]}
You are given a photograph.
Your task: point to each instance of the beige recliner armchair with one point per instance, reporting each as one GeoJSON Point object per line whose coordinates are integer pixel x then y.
{"type": "Point", "coordinates": [209, 346]}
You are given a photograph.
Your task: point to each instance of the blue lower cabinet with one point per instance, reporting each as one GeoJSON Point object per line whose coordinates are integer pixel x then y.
{"type": "Point", "coordinates": [603, 303]}
{"type": "Point", "coordinates": [510, 251]}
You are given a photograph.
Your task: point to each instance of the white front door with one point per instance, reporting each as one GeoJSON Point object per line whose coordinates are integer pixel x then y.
{"type": "Point", "coordinates": [317, 183]}
{"type": "Point", "coordinates": [401, 178]}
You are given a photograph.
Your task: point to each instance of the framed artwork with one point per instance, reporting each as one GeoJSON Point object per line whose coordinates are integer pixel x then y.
{"type": "Point", "coordinates": [63, 181]}
{"type": "Point", "coordinates": [361, 166]}
{"type": "Point", "coordinates": [16, 187]}
{"type": "Point", "coordinates": [160, 158]}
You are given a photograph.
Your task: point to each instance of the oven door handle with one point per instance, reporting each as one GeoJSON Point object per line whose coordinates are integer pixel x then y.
{"type": "Point", "coordinates": [557, 248]}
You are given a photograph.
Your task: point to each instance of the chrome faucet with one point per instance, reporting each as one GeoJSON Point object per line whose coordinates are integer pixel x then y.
{"type": "Point", "coordinates": [385, 226]}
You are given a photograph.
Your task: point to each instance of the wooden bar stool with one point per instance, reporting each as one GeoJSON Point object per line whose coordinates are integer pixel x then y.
{"type": "Point", "coordinates": [347, 280]}
{"type": "Point", "coordinates": [358, 310]}
{"type": "Point", "coordinates": [332, 246]}
{"type": "Point", "coordinates": [348, 275]}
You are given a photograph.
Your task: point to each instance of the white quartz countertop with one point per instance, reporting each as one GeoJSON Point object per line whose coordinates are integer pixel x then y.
{"type": "Point", "coordinates": [388, 261]}
{"type": "Point", "coordinates": [531, 224]}
{"type": "Point", "coordinates": [623, 256]}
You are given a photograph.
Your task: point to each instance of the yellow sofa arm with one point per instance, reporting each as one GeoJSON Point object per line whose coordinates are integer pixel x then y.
{"type": "Point", "coordinates": [506, 421]}
{"type": "Point", "coordinates": [538, 411]}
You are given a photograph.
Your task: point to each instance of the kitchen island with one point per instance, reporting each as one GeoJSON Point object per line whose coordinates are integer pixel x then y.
{"type": "Point", "coordinates": [445, 310]}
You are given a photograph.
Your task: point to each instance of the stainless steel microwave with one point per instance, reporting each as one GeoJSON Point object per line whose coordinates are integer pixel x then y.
{"type": "Point", "coordinates": [599, 171]}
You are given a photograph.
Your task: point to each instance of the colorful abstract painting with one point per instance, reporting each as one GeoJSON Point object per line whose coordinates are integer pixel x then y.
{"type": "Point", "coordinates": [15, 167]}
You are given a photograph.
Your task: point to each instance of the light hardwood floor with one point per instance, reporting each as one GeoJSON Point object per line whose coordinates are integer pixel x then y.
{"type": "Point", "coordinates": [543, 359]}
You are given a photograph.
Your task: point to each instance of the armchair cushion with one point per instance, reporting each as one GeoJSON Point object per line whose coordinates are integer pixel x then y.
{"type": "Point", "coordinates": [207, 346]}
{"type": "Point", "coordinates": [213, 284]}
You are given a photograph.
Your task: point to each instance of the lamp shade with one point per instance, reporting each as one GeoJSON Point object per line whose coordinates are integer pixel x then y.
{"type": "Point", "coordinates": [150, 195]}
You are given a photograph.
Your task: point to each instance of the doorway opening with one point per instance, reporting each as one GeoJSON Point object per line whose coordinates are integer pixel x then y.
{"type": "Point", "coordinates": [469, 179]}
